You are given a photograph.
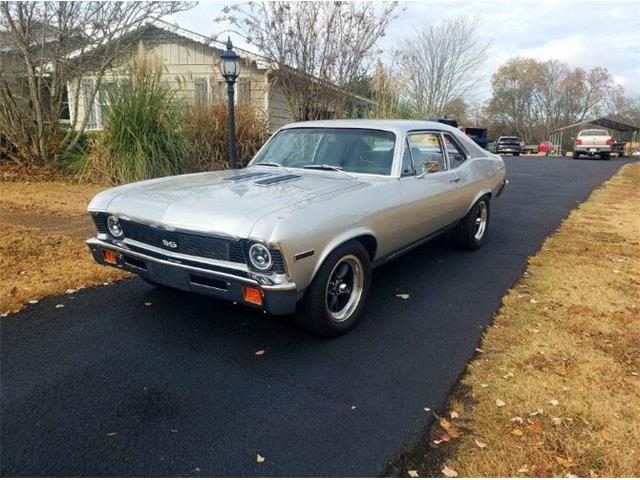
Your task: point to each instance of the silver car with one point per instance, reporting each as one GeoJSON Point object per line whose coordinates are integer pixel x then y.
{"type": "Point", "coordinates": [300, 229]}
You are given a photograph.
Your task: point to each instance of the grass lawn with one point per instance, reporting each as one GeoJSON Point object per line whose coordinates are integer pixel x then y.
{"type": "Point", "coordinates": [43, 225]}
{"type": "Point", "coordinates": [554, 389]}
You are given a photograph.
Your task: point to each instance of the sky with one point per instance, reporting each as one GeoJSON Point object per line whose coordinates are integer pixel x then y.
{"type": "Point", "coordinates": [585, 33]}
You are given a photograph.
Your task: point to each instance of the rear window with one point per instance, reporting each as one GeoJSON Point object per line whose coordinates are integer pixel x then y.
{"type": "Point", "coordinates": [508, 139]}
{"type": "Point", "coordinates": [595, 133]}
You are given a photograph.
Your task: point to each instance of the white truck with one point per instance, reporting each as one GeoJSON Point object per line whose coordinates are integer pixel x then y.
{"type": "Point", "coordinates": [593, 142]}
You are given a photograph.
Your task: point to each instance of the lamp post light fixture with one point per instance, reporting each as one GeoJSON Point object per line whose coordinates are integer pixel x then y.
{"type": "Point", "coordinates": [230, 69]}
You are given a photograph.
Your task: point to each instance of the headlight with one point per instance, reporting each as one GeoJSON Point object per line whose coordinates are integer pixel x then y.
{"type": "Point", "coordinates": [113, 225]}
{"type": "Point", "coordinates": [260, 257]}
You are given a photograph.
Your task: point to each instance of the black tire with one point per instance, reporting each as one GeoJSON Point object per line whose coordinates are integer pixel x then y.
{"type": "Point", "coordinates": [576, 155]}
{"type": "Point", "coordinates": [313, 312]}
{"type": "Point", "coordinates": [466, 233]}
{"type": "Point", "coordinates": [605, 156]}
{"type": "Point", "coordinates": [516, 154]}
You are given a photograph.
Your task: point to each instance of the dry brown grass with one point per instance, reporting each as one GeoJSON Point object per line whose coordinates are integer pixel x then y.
{"type": "Point", "coordinates": [569, 332]}
{"type": "Point", "coordinates": [43, 226]}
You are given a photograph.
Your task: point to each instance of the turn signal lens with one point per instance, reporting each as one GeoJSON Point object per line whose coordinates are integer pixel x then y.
{"type": "Point", "coordinates": [110, 256]}
{"type": "Point", "coordinates": [252, 295]}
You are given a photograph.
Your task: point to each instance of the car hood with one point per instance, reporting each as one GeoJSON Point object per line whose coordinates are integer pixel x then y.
{"type": "Point", "coordinates": [227, 202]}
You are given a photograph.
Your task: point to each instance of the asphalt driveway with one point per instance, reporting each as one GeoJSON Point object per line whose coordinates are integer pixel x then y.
{"type": "Point", "coordinates": [110, 386]}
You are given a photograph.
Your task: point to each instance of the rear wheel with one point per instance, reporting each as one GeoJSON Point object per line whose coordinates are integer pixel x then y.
{"type": "Point", "coordinates": [334, 300]}
{"type": "Point", "coordinates": [605, 156]}
{"type": "Point", "coordinates": [516, 154]}
{"type": "Point", "coordinates": [576, 155]}
{"type": "Point", "coordinates": [470, 233]}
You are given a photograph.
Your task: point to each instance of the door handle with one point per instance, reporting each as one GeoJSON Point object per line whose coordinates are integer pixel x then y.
{"type": "Point", "coordinates": [454, 180]}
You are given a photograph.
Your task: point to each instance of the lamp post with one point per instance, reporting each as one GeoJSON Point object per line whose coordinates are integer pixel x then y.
{"type": "Point", "coordinates": [230, 69]}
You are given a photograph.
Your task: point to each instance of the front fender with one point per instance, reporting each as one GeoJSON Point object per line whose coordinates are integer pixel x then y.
{"type": "Point", "coordinates": [338, 240]}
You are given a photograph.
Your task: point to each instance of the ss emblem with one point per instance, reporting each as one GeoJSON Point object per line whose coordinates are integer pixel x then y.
{"type": "Point", "coordinates": [170, 243]}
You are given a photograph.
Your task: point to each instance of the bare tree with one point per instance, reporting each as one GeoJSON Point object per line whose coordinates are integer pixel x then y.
{"type": "Point", "coordinates": [50, 46]}
{"type": "Point", "coordinates": [317, 49]}
{"type": "Point", "coordinates": [442, 62]}
{"type": "Point", "coordinates": [532, 98]}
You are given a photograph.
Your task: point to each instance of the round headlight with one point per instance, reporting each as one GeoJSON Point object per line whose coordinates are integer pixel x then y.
{"type": "Point", "coordinates": [260, 256]}
{"type": "Point", "coordinates": [113, 224]}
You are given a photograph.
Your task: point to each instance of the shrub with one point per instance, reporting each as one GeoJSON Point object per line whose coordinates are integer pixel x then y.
{"type": "Point", "coordinates": [207, 136]}
{"type": "Point", "coordinates": [143, 135]}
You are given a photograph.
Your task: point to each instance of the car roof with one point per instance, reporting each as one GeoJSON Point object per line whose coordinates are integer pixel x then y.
{"type": "Point", "coordinates": [397, 126]}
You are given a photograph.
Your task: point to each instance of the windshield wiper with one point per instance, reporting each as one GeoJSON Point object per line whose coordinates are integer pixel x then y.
{"type": "Point", "coordinates": [273, 164]}
{"type": "Point", "coordinates": [324, 166]}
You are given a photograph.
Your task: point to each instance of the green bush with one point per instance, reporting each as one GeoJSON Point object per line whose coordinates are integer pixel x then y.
{"type": "Point", "coordinates": [143, 135]}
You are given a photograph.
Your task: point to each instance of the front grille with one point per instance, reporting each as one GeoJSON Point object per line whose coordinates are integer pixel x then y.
{"type": "Point", "coordinates": [195, 244]}
{"type": "Point", "coordinates": [100, 220]}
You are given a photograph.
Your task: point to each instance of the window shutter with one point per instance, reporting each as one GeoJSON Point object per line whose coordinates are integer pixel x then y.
{"type": "Point", "coordinates": [244, 91]}
{"type": "Point", "coordinates": [220, 92]}
{"type": "Point", "coordinates": [87, 87]}
{"type": "Point", "coordinates": [200, 85]}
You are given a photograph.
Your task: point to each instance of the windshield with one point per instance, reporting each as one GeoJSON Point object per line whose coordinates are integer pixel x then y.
{"type": "Point", "coordinates": [349, 149]}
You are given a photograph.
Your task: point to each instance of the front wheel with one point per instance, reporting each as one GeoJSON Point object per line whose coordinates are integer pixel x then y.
{"type": "Point", "coordinates": [335, 298]}
{"type": "Point", "coordinates": [576, 155]}
{"type": "Point", "coordinates": [470, 233]}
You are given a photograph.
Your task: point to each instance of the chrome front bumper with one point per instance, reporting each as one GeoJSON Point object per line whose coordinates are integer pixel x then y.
{"type": "Point", "coordinates": [277, 299]}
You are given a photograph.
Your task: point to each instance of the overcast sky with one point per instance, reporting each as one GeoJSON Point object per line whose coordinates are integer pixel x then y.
{"type": "Point", "coordinates": [580, 33]}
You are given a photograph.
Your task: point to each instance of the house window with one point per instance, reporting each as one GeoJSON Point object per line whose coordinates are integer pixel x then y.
{"type": "Point", "coordinates": [243, 95]}
{"type": "Point", "coordinates": [200, 91]}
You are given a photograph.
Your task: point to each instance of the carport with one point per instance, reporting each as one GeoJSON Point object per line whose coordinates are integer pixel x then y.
{"type": "Point", "coordinates": [607, 122]}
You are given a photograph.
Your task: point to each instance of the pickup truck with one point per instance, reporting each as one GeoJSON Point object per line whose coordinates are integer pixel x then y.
{"type": "Point", "coordinates": [593, 142]}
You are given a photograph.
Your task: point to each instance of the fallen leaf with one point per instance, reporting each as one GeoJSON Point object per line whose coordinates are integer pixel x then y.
{"type": "Point", "coordinates": [517, 420]}
{"type": "Point", "coordinates": [484, 385]}
{"type": "Point", "coordinates": [13, 291]}
{"type": "Point", "coordinates": [445, 424]}
{"type": "Point", "coordinates": [449, 472]}
{"type": "Point", "coordinates": [259, 353]}
{"type": "Point", "coordinates": [70, 291]}
{"type": "Point", "coordinates": [111, 434]}
{"type": "Point", "coordinates": [427, 409]}
{"type": "Point", "coordinates": [556, 421]}
{"type": "Point", "coordinates": [523, 469]}
{"type": "Point", "coordinates": [437, 442]}
{"type": "Point", "coordinates": [479, 350]}
{"type": "Point", "coordinates": [565, 462]}
{"type": "Point", "coordinates": [454, 414]}
{"type": "Point", "coordinates": [517, 432]}
{"type": "Point", "coordinates": [147, 304]}
{"type": "Point", "coordinates": [500, 403]}
{"type": "Point", "coordinates": [173, 430]}
{"type": "Point", "coordinates": [260, 458]}
{"type": "Point", "coordinates": [403, 296]}
{"type": "Point", "coordinates": [606, 436]}
{"type": "Point", "coordinates": [533, 300]}
{"type": "Point", "coordinates": [480, 443]}
{"type": "Point", "coordinates": [539, 411]}
{"type": "Point", "coordinates": [554, 402]}
{"type": "Point", "coordinates": [353, 407]}
{"type": "Point", "coordinates": [561, 371]}
{"type": "Point", "coordinates": [59, 306]}
{"type": "Point", "coordinates": [535, 427]}
{"type": "Point", "coordinates": [508, 375]}
{"type": "Point", "coordinates": [413, 473]}
{"type": "Point", "coordinates": [33, 302]}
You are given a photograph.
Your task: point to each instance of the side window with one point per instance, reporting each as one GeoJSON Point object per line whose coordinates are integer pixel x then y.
{"type": "Point", "coordinates": [407, 162]}
{"type": "Point", "coordinates": [427, 153]}
{"type": "Point", "coordinates": [456, 155]}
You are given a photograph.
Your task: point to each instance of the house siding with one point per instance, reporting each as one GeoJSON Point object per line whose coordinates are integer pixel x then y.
{"type": "Point", "coordinates": [187, 63]}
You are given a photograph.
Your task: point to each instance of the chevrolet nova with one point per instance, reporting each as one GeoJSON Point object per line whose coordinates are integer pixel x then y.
{"type": "Point", "coordinates": [300, 229]}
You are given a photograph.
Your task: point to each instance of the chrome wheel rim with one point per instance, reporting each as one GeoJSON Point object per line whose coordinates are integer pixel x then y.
{"type": "Point", "coordinates": [481, 220]}
{"type": "Point", "coordinates": [344, 288]}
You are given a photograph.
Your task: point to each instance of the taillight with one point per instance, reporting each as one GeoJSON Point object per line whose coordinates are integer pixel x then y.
{"type": "Point", "coordinates": [609, 141]}
{"type": "Point", "coordinates": [578, 141]}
